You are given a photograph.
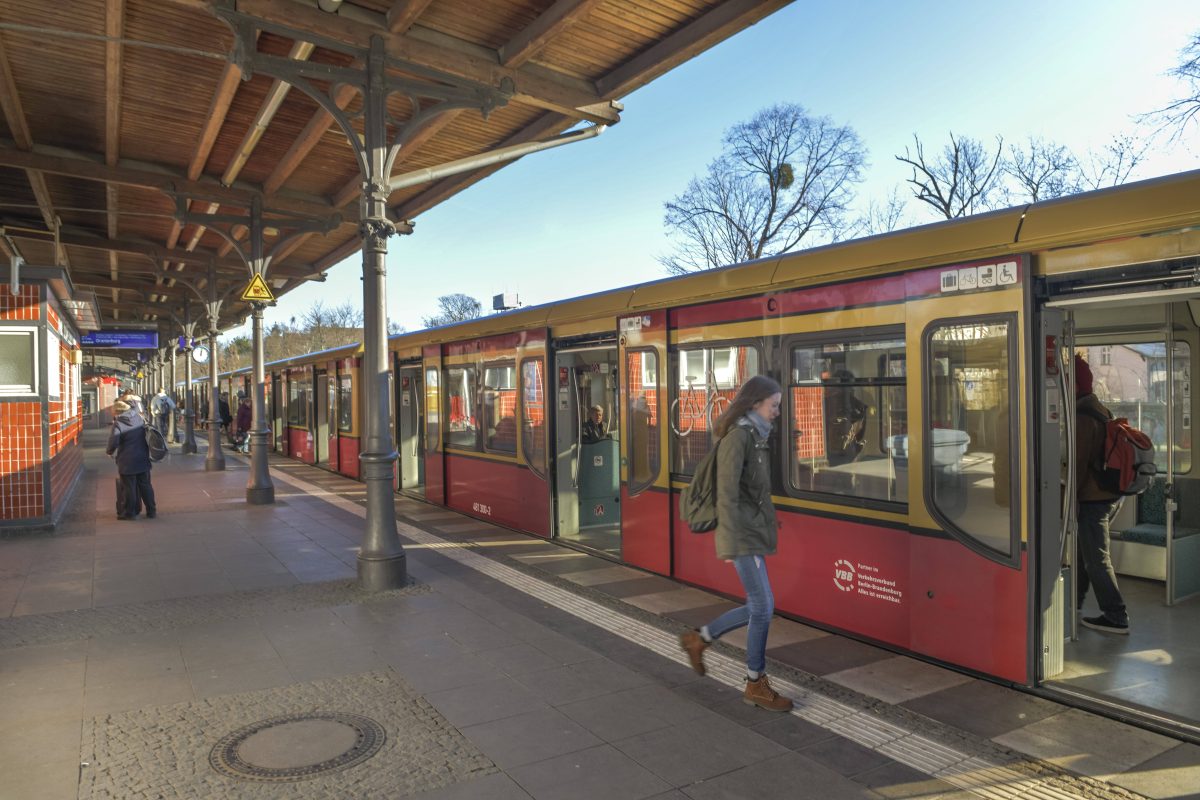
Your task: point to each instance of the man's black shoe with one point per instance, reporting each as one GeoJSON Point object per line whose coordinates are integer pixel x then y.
{"type": "Point", "coordinates": [151, 514]}
{"type": "Point", "coordinates": [1103, 623]}
{"type": "Point", "coordinates": [125, 516]}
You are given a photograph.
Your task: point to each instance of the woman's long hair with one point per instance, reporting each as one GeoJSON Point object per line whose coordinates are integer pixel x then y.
{"type": "Point", "coordinates": [753, 391]}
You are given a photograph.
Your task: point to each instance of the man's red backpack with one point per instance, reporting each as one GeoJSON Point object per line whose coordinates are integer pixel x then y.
{"type": "Point", "coordinates": [1126, 463]}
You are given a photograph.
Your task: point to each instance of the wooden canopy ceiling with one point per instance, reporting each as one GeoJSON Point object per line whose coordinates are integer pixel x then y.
{"type": "Point", "coordinates": [114, 110]}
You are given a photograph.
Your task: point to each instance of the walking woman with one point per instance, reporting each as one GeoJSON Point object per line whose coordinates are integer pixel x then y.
{"type": "Point", "coordinates": [746, 533]}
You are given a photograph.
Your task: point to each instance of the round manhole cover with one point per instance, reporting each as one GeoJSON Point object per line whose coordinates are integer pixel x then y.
{"type": "Point", "coordinates": [297, 747]}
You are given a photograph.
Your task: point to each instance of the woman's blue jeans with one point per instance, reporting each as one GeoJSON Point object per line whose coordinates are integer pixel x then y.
{"type": "Point", "coordinates": [760, 605]}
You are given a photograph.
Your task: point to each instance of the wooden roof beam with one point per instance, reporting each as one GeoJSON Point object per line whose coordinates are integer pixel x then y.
{"type": "Point", "coordinates": [692, 39]}
{"type": "Point", "coordinates": [14, 115]}
{"type": "Point", "coordinates": [534, 85]}
{"type": "Point", "coordinates": [403, 13]}
{"type": "Point", "coordinates": [57, 161]}
{"type": "Point", "coordinates": [553, 21]}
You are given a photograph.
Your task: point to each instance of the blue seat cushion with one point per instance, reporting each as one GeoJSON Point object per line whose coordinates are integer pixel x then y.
{"type": "Point", "coordinates": [1146, 533]}
{"type": "Point", "coordinates": [1152, 504]}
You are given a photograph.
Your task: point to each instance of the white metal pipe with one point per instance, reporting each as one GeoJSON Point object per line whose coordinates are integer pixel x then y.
{"type": "Point", "coordinates": [497, 156]}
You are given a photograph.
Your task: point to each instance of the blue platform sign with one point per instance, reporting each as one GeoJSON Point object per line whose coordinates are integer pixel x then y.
{"type": "Point", "coordinates": [130, 340]}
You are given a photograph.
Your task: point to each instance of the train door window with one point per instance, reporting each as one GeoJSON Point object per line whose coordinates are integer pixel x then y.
{"type": "Point", "coordinates": [345, 404]}
{"type": "Point", "coordinates": [846, 411]}
{"type": "Point", "coordinates": [462, 428]}
{"type": "Point", "coordinates": [1130, 379]}
{"type": "Point", "coordinates": [641, 399]}
{"type": "Point", "coordinates": [968, 434]}
{"type": "Point", "coordinates": [708, 379]}
{"type": "Point", "coordinates": [533, 415]}
{"type": "Point", "coordinates": [433, 422]}
{"type": "Point", "coordinates": [297, 402]}
{"type": "Point", "coordinates": [500, 408]}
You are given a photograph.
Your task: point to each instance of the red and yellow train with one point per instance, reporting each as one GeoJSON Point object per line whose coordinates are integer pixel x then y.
{"type": "Point", "coordinates": [918, 459]}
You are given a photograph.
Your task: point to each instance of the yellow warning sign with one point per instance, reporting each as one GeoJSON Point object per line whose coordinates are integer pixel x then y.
{"type": "Point", "coordinates": [257, 291]}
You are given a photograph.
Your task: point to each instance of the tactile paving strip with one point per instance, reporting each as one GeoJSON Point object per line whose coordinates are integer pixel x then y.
{"type": "Point", "coordinates": [972, 773]}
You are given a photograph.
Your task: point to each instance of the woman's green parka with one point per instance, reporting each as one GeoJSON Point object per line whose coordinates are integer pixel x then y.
{"type": "Point", "coordinates": [746, 524]}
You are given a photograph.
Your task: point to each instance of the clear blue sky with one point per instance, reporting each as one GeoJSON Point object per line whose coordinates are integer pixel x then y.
{"type": "Point", "coordinates": [588, 216]}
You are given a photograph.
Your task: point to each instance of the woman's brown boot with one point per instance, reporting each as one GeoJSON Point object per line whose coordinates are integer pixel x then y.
{"type": "Point", "coordinates": [694, 645]}
{"type": "Point", "coordinates": [759, 693]}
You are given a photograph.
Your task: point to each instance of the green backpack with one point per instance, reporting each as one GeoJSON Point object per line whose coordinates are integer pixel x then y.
{"type": "Point", "coordinates": [698, 500]}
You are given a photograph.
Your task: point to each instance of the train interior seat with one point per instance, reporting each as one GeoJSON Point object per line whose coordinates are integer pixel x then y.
{"type": "Point", "coordinates": [1140, 549]}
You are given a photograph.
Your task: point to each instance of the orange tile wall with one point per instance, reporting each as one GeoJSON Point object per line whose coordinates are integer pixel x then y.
{"type": "Point", "coordinates": [26, 305]}
{"type": "Point", "coordinates": [21, 495]}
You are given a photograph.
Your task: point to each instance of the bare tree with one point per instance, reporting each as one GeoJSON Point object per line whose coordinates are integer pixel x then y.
{"type": "Point", "coordinates": [781, 178]}
{"type": "Point", "coordinates": [453, 308]}
{"type": "Point", "coordinates": [1042, 170]}
{"type": "Point", "coordinates": [882, 216]}
{"type": "Point", "coordinates": [1113, 163]}
{"type": "Point", "coordinates": [1176, 116]}
{"type": "Point", "coordinates": [331, 326]}
{"type": "Point", "coordinates": [963, 180]}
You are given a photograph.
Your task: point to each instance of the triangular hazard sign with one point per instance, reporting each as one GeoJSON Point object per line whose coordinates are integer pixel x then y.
{"type": "Point", "coordinates": [257, 290]}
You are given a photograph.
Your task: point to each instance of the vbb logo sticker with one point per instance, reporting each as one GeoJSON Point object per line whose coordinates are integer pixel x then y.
{"type": "Point", "coordinates": [843, 575]}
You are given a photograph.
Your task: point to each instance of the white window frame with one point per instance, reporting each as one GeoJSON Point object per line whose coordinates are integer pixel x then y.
{"type": "Point", "coordinates": [22, 389]}
{"type": "Point", "coordinates": [54, 389]}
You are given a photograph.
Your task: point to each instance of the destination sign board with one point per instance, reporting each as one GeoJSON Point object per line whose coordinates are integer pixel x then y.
{"type": "Point", "coordinates": [127, 339]}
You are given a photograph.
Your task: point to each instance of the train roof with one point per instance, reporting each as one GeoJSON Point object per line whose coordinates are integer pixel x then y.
{"type": "Point", "coordinates": [1138, 210]}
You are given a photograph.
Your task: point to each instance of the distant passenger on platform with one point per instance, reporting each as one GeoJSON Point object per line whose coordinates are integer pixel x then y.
{"type": "Point", "coordinates": [595, 428]}
{"type": "Point", "coordinates": [245, 417]}
{"type": "Point", "coordinates": [226, 415]}
{"type": "Point", "coordinates": [127, 443]}
{"type": "Point", "coordinates": [1096, 507]}
{"type": "Point", "coordinates": [747, 532]}
{"type": "Point", "coordinates": [162, 406]}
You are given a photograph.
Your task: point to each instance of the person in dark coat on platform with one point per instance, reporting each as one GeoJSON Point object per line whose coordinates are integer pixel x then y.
{"type": "Point", "coordinates": [127, 443]}
{"type": "Point", "coordinates": [245, 417]}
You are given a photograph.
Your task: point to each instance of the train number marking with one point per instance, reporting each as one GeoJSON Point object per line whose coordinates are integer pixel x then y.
{"type": "Point", "coordinates": [480, 508]}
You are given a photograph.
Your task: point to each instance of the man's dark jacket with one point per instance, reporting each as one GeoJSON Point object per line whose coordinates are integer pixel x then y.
{"type": "Point", "coordinates": [128, 441]}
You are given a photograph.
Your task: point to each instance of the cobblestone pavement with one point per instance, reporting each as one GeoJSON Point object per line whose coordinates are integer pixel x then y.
{"type": "Point", "coordinates": [163, 751]}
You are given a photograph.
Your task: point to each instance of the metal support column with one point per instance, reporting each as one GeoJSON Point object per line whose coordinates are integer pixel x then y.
{"type": "Point", "coordinates": [215, 460]}
{"type": "Point", "coordinates": [259, 488]}
{"type": "Point", "coordinates": [174, 437]}
{"type": "Point", "coordinates": [381, 560]}
{"type": "Point", "coordinates": [189, 408]}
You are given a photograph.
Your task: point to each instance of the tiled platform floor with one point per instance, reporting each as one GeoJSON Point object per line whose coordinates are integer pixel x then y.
{"type": "Point", "coordinates": [218, 602]}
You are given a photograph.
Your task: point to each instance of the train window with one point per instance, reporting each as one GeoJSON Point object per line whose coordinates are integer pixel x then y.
{"type": "Point", "coordinates": [708, 379]}
{"type": "Point", "coordinates": [845, 407]}
{"type": "Point", "coordinates": [641, 399]}
{"type": "Point", "coordinates": [297, 408]}
{"type": "Point", "coordinates": [533, 415]}
{"type": "Point", "coordinates": [1130, 380]}
{"type": "Point", "coordinates": [968, 433]}
{"type": "Point", "coordinates": [433, 422]}
{"type": "Point", "coordinates": [500, 408]}
{"type": "Point", "coordinates": [345, 403]}
{"type": "Point", "coordinates": [462, 428]}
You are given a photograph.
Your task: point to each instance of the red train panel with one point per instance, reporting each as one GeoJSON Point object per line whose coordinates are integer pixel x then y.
{"type": "Point", "coordinates": [348, 449]}
{"type": "Point", "coordinates": [499, 492]}
{"type": "Point", "coordinates": [914, 592]}
{"type": "Point", "coordinates": [300, 444]}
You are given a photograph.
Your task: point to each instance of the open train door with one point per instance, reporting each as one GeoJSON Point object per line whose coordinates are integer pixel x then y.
{"type": "Point", "coordinates": [966, 453]}
{"type": "Point", "coordinates": [435, 483]}
{"type": "Point", "coordinates": [645, 486]}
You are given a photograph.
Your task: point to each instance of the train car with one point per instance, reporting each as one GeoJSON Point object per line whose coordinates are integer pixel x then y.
{"type": "Point", "coordinates": [920, 463]}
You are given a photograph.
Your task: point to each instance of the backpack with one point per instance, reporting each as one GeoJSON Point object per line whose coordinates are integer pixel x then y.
{"type": "Point", "coordinates": [1126, 463]}
{"type": "Point", "coordinates": [698, 500]}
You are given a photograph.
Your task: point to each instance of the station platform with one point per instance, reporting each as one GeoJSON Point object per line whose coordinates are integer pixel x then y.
{"type": "Point", "coordinates": [223, 650]}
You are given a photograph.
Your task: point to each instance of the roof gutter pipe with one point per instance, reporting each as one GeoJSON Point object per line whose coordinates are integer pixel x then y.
{"type": "Point", "coordinates": [496, 156]}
